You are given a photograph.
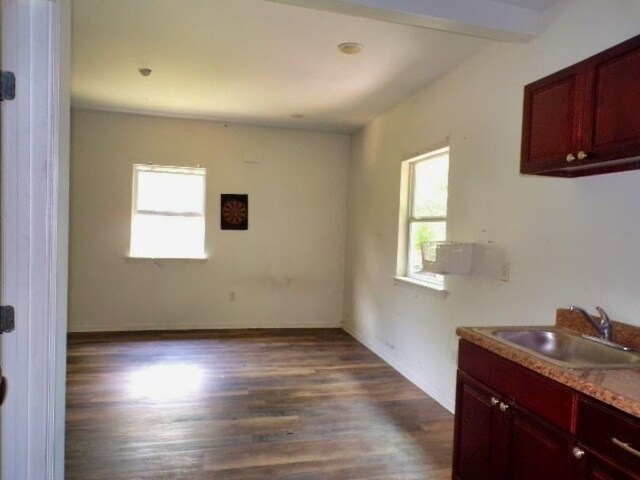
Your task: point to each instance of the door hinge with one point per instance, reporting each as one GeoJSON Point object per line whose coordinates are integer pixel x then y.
{"type": "Point", "coordinates": [7, 86]}
{"type": "Point", "coordinates": [7, 319]}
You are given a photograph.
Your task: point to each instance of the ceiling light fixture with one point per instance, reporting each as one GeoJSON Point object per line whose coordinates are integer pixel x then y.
{"type": "Point", "coordinates": [145, 72]}
{"type": "Point", "coordinates": [350, 48]}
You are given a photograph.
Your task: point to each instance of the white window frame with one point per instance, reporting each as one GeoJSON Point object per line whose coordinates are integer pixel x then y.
{"type": "Point", "coordinates": [141, 167]}
{"type": "Point", "coordinates": [433, 281]}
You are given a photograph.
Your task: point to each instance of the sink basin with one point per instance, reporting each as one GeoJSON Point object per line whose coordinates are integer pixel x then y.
{"type": "Point", "coordinates": [566, 349]}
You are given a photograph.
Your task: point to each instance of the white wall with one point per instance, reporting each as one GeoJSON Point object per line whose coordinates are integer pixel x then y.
{"type": "Point", "coordinates": [286, 270]}
{"type": "Point", "coordinates": [569, 241]}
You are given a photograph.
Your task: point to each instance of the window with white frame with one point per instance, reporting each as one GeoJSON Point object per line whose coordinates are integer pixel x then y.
{"type": "Point", "coordinates": [425, 215]}
{"type": "Point", "coordinates": [168, 208]}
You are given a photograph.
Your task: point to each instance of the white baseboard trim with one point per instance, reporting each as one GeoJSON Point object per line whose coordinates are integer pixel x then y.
{"type": "Point", "coordinates": [190, 326]}
{"type": "Point", "coordinates": [409, 373]}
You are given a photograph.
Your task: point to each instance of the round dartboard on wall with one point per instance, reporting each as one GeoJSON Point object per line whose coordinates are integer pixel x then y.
{"type": "Point", "coordinates": [234, 212]}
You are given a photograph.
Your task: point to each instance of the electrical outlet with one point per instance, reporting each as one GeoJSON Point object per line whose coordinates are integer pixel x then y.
{"type": "Point", "coordinates": [505, 274]}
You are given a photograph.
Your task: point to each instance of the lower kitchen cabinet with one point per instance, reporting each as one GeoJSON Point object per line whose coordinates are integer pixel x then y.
{"type": "Point", "coordinates": [606, 433]}
{"type": "Point", "coordinates": [508, 427]}
{"type": "Point", "coordinates": [497, 440]}
{"type": "Point", "coordinates": [534, 450]}
{"type": "Point", "coordinates": [593, 468]}
{"type": "Point", "coordinates": [478, 431]}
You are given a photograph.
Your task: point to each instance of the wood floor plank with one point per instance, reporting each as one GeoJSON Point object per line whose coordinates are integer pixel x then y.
{"type": "Point", "coordinates": [246, 405]}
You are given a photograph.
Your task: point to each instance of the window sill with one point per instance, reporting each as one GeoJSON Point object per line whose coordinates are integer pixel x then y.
{"type": "Point", "coordinates": [170, 259]}
{"type": "Point", "coordinates": [420, 285]}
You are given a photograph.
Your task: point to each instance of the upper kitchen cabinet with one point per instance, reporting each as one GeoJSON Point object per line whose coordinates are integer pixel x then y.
{"type": "Point", "coordinates": [585, 119]}
{"type": "Point", "coordinates": [612, 113]}
{"type": "Point", "coordinates": [552, 111]}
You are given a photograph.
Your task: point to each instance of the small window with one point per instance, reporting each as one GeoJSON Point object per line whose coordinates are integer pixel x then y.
{"type": "Point", "coordinates": [424, 213]}
{"type": "Point", "coordinates": [167, 218]}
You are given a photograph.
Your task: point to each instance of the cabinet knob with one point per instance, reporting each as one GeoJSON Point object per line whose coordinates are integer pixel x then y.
{"type": "Point", "coordinates": [582, 155]}
{"type": "Point", "coordinates": [503, 407]}
{"type": "Point", "coordinates": [494, 401]}
{"type": "Point", "coordinates": [571, 157]}
{"type": "Point", "coordinates": [578, 453]}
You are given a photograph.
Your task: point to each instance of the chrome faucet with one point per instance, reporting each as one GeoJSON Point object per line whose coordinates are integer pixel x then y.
{"type": "Point", "coordinates": [602, 324]}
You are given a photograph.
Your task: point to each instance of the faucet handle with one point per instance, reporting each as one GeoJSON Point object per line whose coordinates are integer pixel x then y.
{"type": "Point", "coordinates": [604, 317]}
{"type": "Point", "coordinates": [606, 326]}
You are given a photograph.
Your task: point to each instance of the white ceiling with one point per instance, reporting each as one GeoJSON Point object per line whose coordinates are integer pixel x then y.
{"type": "Point", "coordinates": [252, 61]}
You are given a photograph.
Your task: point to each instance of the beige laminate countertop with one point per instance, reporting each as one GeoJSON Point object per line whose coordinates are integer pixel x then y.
{"type": "Point", "coordinates": [619, 388]}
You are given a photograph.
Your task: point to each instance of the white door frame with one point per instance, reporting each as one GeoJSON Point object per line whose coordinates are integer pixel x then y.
{"type": "Point", "coordinates": [35, 152]}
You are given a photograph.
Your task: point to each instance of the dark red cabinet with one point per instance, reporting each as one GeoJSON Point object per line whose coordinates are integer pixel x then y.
{"type": "Point", "coordinates": [552, 110]}
{"type": "Point", "coordinates": [498, 440]}
{"type": "Point", "coordinates": [532, 447]}
{"type": "Point", "coordinates": [585, 119]}
{"type": "Point", "coordinates": [478, 431]}
{"type": "Point", "coordinates": [514, 424]}
{"type": "Point", "coordinates": [609, 433]}
{"type": "Point", "coordinates": [594, 468]}
{"type": "Point", "coordinates": [612, 110]}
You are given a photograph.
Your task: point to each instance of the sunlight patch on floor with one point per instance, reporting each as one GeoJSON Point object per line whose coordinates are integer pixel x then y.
{"type": "Point", "coordinates": [162, 382]}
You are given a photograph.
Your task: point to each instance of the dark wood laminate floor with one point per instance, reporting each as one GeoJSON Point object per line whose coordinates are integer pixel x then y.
{"type": "Point", "coordinates": [268, 404]}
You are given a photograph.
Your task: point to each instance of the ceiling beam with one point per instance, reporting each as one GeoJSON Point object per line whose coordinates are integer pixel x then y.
{"type": "Point", "coordinates": [481, 18]}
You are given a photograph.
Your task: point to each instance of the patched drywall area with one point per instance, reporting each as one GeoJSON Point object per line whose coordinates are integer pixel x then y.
{"type": "Point", "coordinates": [568, 241]}
{"type": "Point", "coordinates": [287, 270]}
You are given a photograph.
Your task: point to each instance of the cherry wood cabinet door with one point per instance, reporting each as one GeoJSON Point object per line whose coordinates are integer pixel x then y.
{"type": "Point", "coordinates": [552, 111]}
{"type": "Point", "coordinates": [612, 434]}
{"type": "Point", "coordinates": [535, 451]}
{"type": "Point", "coordinates": [612, 113]}
{"type": "Point", "coordinates": [592, 468]}
{"type": "Point", "coordinates": [477, 431]}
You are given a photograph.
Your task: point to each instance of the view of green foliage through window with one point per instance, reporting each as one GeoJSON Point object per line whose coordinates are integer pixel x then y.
{"type": "Point", "coordinates": [427, 215]}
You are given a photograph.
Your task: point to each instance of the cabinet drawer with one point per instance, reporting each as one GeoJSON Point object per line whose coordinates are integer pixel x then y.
{"type": "Point", "coordinates": [611, 433]}
{"type": "Point", "coordinates": [550, 400]}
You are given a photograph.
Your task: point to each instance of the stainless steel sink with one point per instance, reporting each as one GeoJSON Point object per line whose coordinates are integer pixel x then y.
{"type": "Point", "coordinates": [565, 349]}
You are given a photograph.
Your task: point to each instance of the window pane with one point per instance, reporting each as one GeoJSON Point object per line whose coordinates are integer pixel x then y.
{"type": "Point", "coordinates": [420, 233]}
{"type": "Point", "coordinates": [170, 192]}
{"type": "Point", "coordinates": [430, 183]}
{"type": "Point", "coordinates": [159, 236]}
